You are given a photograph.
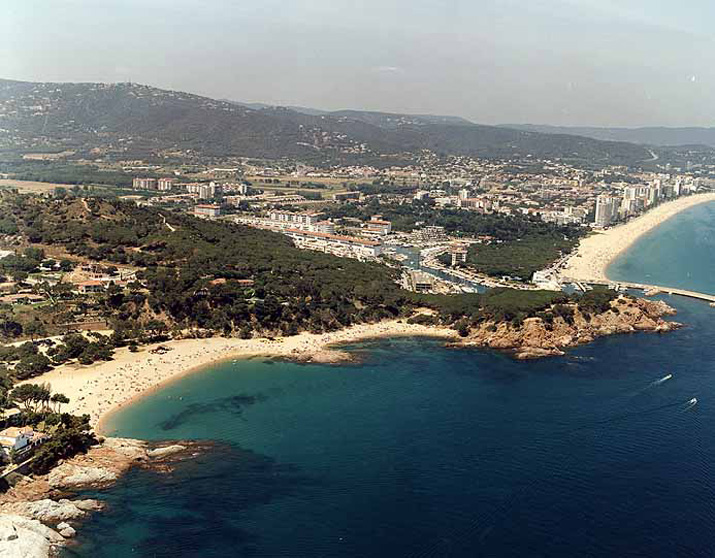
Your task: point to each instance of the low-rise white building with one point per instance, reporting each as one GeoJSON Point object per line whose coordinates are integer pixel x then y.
{"type": "Point", "coordinates": [345, 246]}
{"type": "Point", "coordinates": [379, 227]}
{"type": "Point", "coordinates": [144, 183]}
{"type": "Point", "coordinates": [300, 220]}
{"type": "Point", "coordinates": [165, 184]}
{"type": "Point", "coordinates": [15, 438]}
{"type": "Point", "coordinates": [207, 210]}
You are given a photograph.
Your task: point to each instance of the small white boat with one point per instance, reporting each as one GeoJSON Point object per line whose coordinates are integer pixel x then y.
{"type": "Point", "coordinates": [693, 401]}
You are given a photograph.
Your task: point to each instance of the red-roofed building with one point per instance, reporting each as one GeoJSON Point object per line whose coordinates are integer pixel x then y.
{"type": "Point", "coordinates": [378, 226]}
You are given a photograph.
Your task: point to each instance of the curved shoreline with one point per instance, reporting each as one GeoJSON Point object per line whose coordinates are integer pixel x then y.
{"type": "Point", "coordinates": [595, 253]}
{"type": "Point", "coordinates": [101, 389]}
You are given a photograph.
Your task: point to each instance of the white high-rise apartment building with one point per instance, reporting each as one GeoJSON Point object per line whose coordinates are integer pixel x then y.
{"type": "Point", "coordinates": [606, 210]}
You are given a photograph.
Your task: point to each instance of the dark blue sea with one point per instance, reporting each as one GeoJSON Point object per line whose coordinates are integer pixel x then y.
{"type": "Point", "coordinates": [422, 451]}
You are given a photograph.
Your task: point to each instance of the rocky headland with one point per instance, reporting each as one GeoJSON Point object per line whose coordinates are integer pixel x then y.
{"type": "Point", "coordinates": [551, 334]}
{"type": "Point", "coordinates": [40, 514]}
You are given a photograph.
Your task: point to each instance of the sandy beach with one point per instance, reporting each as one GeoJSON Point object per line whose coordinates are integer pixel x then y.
{"type": "Point", "coordinates": [597, 251]}
{"type": "Point", "coordinates": [100, 388]}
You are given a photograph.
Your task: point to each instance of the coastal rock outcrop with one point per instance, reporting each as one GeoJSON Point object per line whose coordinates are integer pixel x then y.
{"type": "Point", "coordinates": [166, 451]}
{"type": "Point", "coordinates": [69, 476]}
{"type": "Point", "coordinates": [321, 356]}
{"type": "Point", "coordinates": [66, 530]}
{"type": "Point", "coordinates": [49, 511]}
{"type": "Point", "coordinates": [21, 537]}
{"type": "Point", "coordinates": [537, 337]}
{"type": "Point", "coordinates": [127, 447]}
{"type": "Point", "coordinates": [33, 502]}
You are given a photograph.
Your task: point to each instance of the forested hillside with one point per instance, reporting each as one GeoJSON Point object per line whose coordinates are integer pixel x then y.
{"type": "Point", "coordinates": [141, 119]}
{"type": "Point", "coordinates": [193, 272]}
{"type": "Point", "coordinates": [198, 277]}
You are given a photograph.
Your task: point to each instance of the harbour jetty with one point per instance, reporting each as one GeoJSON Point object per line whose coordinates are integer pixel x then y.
{"type": "Point", "coordinates": [648, 289]}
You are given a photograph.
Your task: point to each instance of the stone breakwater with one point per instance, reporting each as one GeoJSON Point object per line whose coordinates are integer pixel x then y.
{"type": "Point", "coordinates": [538, 338]}
{"type": "Point", "coordinates": [38, 514]}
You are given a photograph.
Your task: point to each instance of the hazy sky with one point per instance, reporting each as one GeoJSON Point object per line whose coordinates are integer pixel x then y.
{"type": "Point", "coordinates": [573, 62]}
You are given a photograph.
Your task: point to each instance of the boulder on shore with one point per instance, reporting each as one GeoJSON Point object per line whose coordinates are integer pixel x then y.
{"type": "Point", "coordinates": [67, 531]}
{"type": "Point", "coordinates": [49, 511]}
{"type": "Point", "coordinates": [69, 476]}
{"type": "Point", "coordinates": [21, 537]}
{"type": "Point", "coordinates": [165, 451]}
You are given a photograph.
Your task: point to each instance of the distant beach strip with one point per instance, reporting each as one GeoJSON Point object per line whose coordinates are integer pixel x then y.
{"type": "Point", "coordinates": [596, 252]}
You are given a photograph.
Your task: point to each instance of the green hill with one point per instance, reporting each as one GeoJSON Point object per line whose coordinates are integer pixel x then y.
{"type": "Point", "coordinates": [137, 119]}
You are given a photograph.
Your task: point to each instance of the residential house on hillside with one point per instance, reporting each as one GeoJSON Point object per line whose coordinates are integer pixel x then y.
{"type": "Point", "coordinates": [93, 286]}
{"type": "Point", "coordinates": [15, 438]}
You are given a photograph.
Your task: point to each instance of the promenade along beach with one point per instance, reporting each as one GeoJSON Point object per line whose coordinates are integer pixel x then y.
{"type": "Point", "coordinates": [596, 252]}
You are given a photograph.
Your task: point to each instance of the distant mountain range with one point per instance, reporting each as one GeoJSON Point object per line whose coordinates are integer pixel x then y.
{"type": "Point", "coordinates": [377, 118]}
{"type": "Point", "coordinates": [261, 106]}
{"type": "Point", "coordinates": [143, 119]}
{"type": "Point", "coordinates": [657, 136]}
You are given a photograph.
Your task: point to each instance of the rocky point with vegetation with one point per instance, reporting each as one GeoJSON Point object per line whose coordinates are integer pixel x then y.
{"type": "Point", "coordinates": [568, 324]}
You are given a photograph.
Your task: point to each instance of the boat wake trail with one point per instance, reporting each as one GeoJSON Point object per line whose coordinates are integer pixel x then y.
{"type": "Point", "coordinates": [630, 415]}
{"type": "Point", "coordinates": [481, 527]}
{"type": "Point", "coordinates": [662, 380]}
{"type": "Point", "coordinates": [653, 384]}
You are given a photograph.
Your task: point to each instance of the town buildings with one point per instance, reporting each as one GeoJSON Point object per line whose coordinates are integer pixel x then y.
{"type": "Point", "coordinates": [207, 210]}
{"type": "Point", "coordinates": [343, 196]}
{"type": "Point", "coordinates": [144, 183]}
{"type": "Point", "coordinates": [378, 226]}
{"type": "Point", "coordinates": [606, 210]}
{"type": "Point", "coordinates": [458, 254]}
{"type": "Point", "coordinates": [344, 246]}
{"type": "Point", "coordinates": [165, 184]}
{"type": "Point", "coordinates": [91, 286]}
{"type": "Point", "coordinates": [15, 439]}
{"type": "Point", "coordinates": [299, 220]}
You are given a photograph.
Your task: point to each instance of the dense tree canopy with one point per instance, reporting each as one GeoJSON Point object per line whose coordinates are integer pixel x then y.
{"type": "Point", "coordinates": [215, 275]}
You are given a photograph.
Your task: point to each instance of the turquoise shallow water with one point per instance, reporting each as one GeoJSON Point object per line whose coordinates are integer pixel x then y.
{"type": "Point", "coordinates": [424, 451]}
{"type": "Point", "coordinates": [678, 253]}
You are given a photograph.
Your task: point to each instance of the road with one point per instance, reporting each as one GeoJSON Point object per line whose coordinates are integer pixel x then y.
{"type": "Point", "coordinates": [654, 156]}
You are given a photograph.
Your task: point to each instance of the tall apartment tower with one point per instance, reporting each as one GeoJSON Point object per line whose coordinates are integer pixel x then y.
{"type": "Point", "coordinates": [606, 210]}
